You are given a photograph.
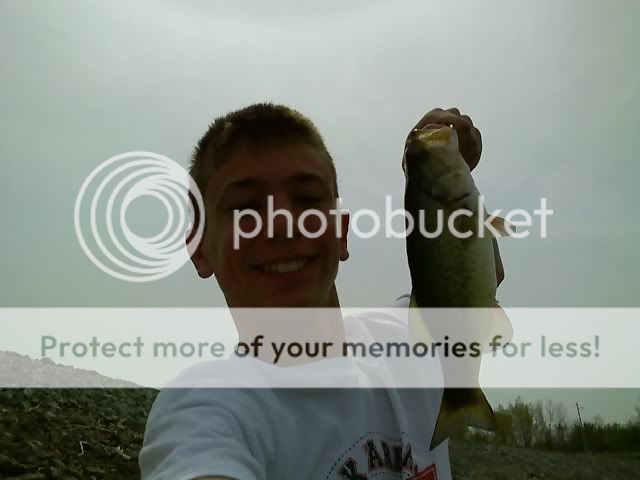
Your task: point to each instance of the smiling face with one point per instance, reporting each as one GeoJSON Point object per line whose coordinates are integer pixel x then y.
{"type": "Point", "coordinates": [277, 270]}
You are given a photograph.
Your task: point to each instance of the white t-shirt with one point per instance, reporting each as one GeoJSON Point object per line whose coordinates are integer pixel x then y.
{"type": "Point", "coordinates": [282, 434]}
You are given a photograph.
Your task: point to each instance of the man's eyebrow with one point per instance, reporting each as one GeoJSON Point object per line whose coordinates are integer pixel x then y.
{"type": "Point", "coordinates": [306, 177]}
{"type": "Point", "coordinates": [253, 183]}
{"type": "Point", "coordinates": [247, 183]}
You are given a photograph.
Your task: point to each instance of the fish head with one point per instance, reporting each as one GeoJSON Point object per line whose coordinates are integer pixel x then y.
{"type": "Point", "coordinates": [432, 163]}
{"type": "Point", "coordinates": [426, 148]}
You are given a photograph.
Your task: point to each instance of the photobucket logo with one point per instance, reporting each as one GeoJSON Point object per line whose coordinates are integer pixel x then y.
{"type": "Point", "coordinates": [100, 218]}
{"type": "Point", "coordinates": [517, 222]}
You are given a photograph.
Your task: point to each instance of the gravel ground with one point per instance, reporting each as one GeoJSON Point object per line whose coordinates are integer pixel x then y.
{"type": "Point", "coordinates": [492, 462]}
{"type": "Point", "coordinates": [96, 433]}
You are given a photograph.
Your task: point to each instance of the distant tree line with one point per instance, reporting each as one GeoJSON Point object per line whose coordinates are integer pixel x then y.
{"type": "Point", "coordinates": [544, 425]}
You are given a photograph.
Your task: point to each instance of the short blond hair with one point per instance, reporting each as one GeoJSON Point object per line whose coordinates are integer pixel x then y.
{"type": "Point", "coordinates": [260, 125]}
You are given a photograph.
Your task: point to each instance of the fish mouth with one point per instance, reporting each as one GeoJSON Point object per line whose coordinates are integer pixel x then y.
{"type": "Point", "coordinates": [457, 201]}
{"type": "Point", "coordinates": [431, 135]}
{"type": "Point", "coordinates": [420, 141]}
{"type": "Point", "coordinates": [460, 198]}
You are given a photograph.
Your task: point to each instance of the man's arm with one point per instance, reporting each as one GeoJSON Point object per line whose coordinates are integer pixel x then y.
{"type": "Point", "coordinates": [198, 434]}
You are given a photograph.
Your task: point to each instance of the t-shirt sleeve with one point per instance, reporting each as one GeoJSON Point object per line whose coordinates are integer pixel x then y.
{"type": "Point", "coordinates": [193, 433]}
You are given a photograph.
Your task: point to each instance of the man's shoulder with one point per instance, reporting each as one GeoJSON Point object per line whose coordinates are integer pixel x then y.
{"type": "Point", "coordinates": [391, 320]}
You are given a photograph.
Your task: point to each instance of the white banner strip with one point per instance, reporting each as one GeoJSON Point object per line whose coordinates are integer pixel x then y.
{"type": "Point", "coordinates": [320, 348]}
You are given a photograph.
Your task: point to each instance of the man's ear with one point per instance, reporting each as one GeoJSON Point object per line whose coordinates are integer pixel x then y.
{"type": "Point", "coordinates": [198, 257]}
{"type": "Point", "coordinates": [344, 230]}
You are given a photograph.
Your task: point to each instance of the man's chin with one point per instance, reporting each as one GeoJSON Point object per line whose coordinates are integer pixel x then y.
{"type": "Point", "coordinates": [292, 302]}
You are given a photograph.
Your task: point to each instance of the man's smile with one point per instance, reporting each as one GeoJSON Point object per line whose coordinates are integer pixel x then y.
{"type": "Point", "coordinates": [291, 264]}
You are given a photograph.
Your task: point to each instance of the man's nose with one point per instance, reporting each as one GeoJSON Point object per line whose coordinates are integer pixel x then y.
{"type": "Point", "coordinates": [282, 218]}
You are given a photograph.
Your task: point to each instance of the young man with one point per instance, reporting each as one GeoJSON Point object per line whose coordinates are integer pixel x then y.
{"type": "Point", "coordinates": [245, 157]}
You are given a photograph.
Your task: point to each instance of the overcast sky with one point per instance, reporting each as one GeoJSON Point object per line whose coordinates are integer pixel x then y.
{"type": "Point", "coordinates": [554, 88]}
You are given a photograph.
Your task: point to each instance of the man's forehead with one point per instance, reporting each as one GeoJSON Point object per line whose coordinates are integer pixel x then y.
{"type": "Point", "coordinates": [250, 168]}
{"type": "Point", "coordinates": [256, 182]}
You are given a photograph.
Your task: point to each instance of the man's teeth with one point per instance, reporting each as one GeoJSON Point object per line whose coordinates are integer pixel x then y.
{"type": "Point", "coordinates": [284, 267]}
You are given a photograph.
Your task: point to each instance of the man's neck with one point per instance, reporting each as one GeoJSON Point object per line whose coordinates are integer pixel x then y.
{"type": "Point", "coordinates": [292, 336]}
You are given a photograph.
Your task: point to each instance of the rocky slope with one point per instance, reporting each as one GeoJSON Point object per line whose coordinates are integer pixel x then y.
{"type": "Point", "coordinates": [85, 433]}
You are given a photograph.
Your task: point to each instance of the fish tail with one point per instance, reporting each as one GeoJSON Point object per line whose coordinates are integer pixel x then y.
{"type": "Point", "coordinates": [452, 419]}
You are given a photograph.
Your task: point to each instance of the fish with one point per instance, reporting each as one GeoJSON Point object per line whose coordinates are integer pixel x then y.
{"type": "Point", "coordinates": [449, 272]}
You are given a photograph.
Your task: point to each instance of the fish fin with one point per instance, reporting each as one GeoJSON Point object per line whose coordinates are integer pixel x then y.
{"type": "Point", "coordinates": [452, 419]}
{"type": "Point", "coordinates": [413, 303]}
{"type": "Point", "coordinates": [418, 331]}
{"type": "Point", "coordinates": [500, 327]}
{"type": "Point", "coordinates": [497, 259]}
{"type": "Point", "coordinates": [504, 228]}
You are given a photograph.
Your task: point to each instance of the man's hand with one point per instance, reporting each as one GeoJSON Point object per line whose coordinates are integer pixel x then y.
{"type": "Point", "coordinates": [469, 138]}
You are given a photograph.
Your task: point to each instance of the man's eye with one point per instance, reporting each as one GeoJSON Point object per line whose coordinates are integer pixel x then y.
{"type": "Point", "coordinates": [310, 199]}
{"type": "Point", "coordinates": [244, 206]}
